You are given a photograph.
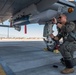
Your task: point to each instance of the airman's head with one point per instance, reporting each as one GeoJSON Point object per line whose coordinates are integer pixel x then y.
{"type": "Point", "coordinates": [62, 18]}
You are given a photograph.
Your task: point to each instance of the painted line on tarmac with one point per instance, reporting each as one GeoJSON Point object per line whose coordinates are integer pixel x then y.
{"type": "Point", "coordinates": [2, 72]}
{"type": "Point", "coordinates": [4, 69]}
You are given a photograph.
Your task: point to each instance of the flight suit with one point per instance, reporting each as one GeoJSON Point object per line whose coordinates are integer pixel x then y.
{"type": "Point", "coordinates": [69, 44]}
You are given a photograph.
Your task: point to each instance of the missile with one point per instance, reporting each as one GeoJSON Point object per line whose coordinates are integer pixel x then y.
{"type": "Point", "coordinates": [41, 17]}
{"type": "Point", "coordinates": [44, 16]}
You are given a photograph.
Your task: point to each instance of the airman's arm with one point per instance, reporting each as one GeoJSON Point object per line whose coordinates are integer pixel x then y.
{"type": "Point", "coordinates": [70, 27]}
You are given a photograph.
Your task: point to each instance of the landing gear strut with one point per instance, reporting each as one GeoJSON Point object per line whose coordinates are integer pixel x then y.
{"type": "Point", "coordinates": [50, 43]}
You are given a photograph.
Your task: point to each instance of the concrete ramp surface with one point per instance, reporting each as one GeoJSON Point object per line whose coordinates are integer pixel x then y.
{"type": "Point", "coordinates": [29, 58]}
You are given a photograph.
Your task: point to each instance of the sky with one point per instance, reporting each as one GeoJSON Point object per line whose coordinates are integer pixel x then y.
{"type": "Point", "coordinates": [33, 30]}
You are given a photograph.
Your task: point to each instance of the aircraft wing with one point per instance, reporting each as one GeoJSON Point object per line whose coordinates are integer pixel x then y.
{"type": "Point", "coordinates": [9, 8]}
{"type": "Point", "coordinates": [23, 12]}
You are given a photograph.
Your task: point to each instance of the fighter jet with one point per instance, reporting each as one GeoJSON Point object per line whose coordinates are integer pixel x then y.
{"type": "Point", "coordinates": [24, 12]}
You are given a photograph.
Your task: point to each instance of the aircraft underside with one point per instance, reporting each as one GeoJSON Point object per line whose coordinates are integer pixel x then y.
{"type": "Point", "coordinates": [24, 12]}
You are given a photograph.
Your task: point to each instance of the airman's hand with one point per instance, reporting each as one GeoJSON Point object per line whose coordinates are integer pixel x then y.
{"type": "Point", "coordinates": [54, 20]}
{"type": "Point", "coordinates": [52, 36]}
{"type": "Point", "coordinates": [59, 25]}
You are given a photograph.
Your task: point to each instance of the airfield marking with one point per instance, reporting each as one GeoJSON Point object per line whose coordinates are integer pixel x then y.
{"type": "Point", "coordinates": [4, 69]}
{"type": "Point", "coordinates": [2, 72]}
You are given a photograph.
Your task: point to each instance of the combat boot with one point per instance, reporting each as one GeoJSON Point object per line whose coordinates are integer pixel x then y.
{"type": "Point", "coordinates": [67, 70]}
{"type": "Point", "coordinates": [69, 67]}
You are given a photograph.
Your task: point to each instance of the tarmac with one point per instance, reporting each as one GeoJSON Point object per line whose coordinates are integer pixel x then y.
{"type": "Point", "coordinates": [29, 58]}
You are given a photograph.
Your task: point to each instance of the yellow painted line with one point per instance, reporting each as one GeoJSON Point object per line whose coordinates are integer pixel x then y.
{"type": "Point", "coordinates": [2, 72]}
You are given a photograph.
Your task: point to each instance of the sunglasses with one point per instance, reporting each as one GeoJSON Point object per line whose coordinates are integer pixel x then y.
{"type": "Point", "coordinates": [59, 17]}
